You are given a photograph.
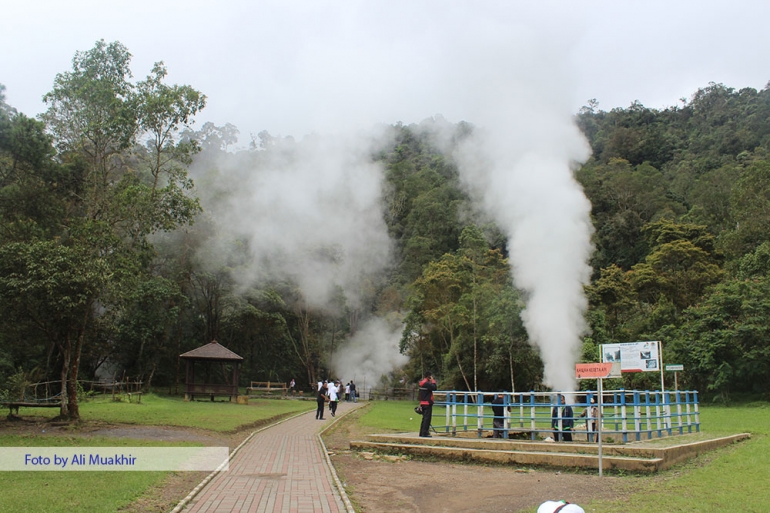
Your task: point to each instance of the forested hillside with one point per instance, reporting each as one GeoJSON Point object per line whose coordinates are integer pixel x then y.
{"type": "Point", "coordinates": [680, 204]}
{"type": "Point", "coordinates": [119, 250]}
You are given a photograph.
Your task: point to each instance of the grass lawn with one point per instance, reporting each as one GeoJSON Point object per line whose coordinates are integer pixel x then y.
{"type": "Point", "coordinates": [731, 479]}
{"type": "Point", "coordinates": [155, 410]}
{"type": "Point", "coordinates": [391, 416]}
{"type": "Point", "coordinates": [54, 492]}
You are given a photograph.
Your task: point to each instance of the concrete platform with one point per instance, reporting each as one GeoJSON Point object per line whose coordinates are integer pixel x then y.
{"type": "Point", "coordinates": [632, 458]}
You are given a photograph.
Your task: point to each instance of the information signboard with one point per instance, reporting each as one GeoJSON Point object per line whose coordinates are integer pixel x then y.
{"type": "Point", "coordinates": [633, 356]}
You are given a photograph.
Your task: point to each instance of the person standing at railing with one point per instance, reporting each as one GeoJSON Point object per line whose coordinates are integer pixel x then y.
{"type": "Point", "coordinates": [562, 424]}
{"type": "Point", "coordinates": [592, 416]}
{"type": "Point", "coordinates": [347, 392]}
{"type": "Point", "coordinates": [498, 423]}
{"type": "Point", "coordinates": [427, 387]}
{"type": "Point", "coordinates": [353, 391]}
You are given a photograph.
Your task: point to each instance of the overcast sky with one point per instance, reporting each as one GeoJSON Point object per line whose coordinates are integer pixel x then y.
{"type": "Point", "coordinates": [297, 67]}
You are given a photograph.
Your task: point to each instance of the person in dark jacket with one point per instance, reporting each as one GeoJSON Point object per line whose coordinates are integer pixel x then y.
{"type": "Point", "coordinates": [321, 399]}
{"type": "Point", "coordinates": [562, 432]}
{"type": "Point", "coordinates": [498, 408]}
{"type": "Point", "coordinates": [427, 387]}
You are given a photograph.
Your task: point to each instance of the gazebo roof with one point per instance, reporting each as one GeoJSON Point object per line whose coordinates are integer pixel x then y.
{"type": "Point", "coordinates": [211, 351]}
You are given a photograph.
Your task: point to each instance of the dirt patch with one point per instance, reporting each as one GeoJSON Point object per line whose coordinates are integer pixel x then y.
{"type": "Point", "coordinates": [408, 485]}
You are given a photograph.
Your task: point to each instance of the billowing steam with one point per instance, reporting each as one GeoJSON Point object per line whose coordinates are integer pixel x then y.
{"type": "Point", "coordinates": [519, 167]}
{"type": "Point", "coordinates": [370, 353]}
{"type": "Point", "coordinates": [311, 213]}
{"type": "Point", "coordinates": [536, 201]}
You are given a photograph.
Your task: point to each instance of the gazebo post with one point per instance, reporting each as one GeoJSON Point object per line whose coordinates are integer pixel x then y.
{"type": "Point", "coordinates": [187, 380]}
{"type": "Point", "coordinates": [234, 397]}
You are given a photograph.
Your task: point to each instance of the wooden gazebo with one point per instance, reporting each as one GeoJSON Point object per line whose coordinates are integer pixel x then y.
{"type": "Point", "coordinates": [210, 355]}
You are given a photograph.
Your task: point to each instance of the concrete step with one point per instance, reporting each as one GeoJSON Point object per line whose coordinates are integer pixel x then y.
{"type": "Point", "coordinates": [550, 459]}
{"type": "Point", "coordinates": [559, 454]}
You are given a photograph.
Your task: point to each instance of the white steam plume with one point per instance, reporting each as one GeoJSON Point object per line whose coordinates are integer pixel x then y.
{"type": "Point", "coordinates": [311, 212]}
{"type": "Point", "coordinates": [371, 353]}
{"type": "Point", "coordinates": [522, 174]}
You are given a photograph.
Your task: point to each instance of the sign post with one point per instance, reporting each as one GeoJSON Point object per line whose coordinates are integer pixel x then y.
{"type": "Point", "coordinates": [676, 368]}
{"type": "Point", "coordinates": [598, 371]}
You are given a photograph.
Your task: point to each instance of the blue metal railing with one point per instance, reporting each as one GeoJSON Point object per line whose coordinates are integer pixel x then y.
{"type": "Point", "coordinates": [626, 414]}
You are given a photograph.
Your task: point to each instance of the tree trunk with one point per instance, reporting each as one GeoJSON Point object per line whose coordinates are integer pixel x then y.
{"type": "Point", "coordinates": [510, 363]}
{"type": "Point", "coordinates": [72, 384]}
{"type": "Point", "coordinates": [65, 354]}
{"type": "Point", "coordinates": [149, 379]}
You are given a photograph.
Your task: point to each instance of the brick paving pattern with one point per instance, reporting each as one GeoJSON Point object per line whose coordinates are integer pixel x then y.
{"type": "Point", "coordinates": [281, 469]}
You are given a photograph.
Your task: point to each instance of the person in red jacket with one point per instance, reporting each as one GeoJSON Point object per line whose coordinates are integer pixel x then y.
{"type": "Point", "coordinates": [427, 386]}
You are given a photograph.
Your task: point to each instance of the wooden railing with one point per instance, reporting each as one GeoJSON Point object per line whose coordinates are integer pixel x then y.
{"type": "Point", "coordinates": [267, 387]}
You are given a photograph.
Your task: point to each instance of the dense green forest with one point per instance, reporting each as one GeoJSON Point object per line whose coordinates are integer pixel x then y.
{"type": "Point", "coordinates": [112, 255]}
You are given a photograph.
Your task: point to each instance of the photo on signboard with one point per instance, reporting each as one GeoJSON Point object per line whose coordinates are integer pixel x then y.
{"type": "Point", "coordinates": [652, 364]}
{"type": "Point", "coordinates": [612, 356]}
{"type": "Point", "coordinates": [645, 355]}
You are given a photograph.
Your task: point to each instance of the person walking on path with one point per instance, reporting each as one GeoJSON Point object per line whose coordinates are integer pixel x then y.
{"type": "Point", "coordinates": [427, 387]}
{"type": "Point", "coordinates": [333, 398]}
{"type": "Point", "coordinates": [321, 399]}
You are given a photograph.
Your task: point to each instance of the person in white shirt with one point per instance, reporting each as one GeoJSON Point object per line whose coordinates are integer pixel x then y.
{"type": "Point", "coordinates": [333, 398]}
{"type": "Point", "coordinates": [347, 392]}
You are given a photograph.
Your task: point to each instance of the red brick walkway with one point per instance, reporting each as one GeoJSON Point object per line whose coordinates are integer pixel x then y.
{"type": "Point", "coordinates": [280, 469]}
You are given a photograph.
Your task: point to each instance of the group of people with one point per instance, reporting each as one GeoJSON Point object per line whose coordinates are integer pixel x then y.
{"type": "Point", "coordinates": [330, 392]}
{"type": "Point", "coordinates": [563, 419]}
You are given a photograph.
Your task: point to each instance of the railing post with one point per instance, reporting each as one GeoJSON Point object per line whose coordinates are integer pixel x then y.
{"type": "Point", "coordinates": [623, 417]}
{"type": "Point", "coordinates": [637, 416]}
{"type": "Point", "coordinates": [479, 414]}
{"type": "Point", "coordinates": [465, 411]}
{"type": "Point", "coordinates": [590, 419]}
{"type": "Point", "coordinates": [647, 413]}
{"type": "Point", "coordinates": [697, 413]}
{"type": "Point", "coordinates": [532, 416]}
{"type": "Point", "coordinates": [507, 399]}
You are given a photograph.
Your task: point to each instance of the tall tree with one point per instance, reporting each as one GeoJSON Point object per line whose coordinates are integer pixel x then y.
{"type": "Point", "coordinates": [115, 199]}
